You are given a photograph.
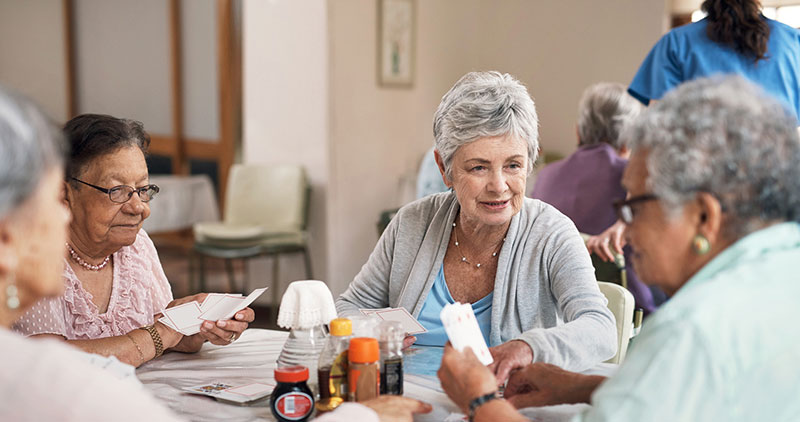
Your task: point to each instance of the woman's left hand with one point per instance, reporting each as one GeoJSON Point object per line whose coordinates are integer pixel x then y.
{"type": "Point", "coordinates": [225, 332]}
{"type": "Point", "coordinates": [508, 357]}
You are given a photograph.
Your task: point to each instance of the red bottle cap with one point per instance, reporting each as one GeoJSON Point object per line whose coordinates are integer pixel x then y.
{"type": "Point", "coordinates": [291, 374]}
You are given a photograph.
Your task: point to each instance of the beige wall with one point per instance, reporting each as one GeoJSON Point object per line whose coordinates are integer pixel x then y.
{"type": "Point", "coordinates": [555, 47]}
{"type": "Point", "coordinates": [285, 116]}
{"type": "Point", "coordinates": [32, 57]}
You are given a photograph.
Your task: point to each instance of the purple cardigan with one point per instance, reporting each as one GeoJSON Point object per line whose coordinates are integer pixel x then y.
{"type": "Point", "coordinates": [583, 186]}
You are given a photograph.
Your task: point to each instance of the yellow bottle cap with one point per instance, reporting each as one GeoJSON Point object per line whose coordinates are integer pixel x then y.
{"type": "Point", "coordinates": [341, 327]}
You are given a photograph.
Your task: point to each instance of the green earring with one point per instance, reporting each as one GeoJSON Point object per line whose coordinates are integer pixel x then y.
{"type": "Point", "coordinates": [700, 244]}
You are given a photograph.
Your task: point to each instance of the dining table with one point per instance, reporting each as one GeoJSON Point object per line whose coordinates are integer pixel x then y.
{"type": "Point", "coordinates": [252, 358]}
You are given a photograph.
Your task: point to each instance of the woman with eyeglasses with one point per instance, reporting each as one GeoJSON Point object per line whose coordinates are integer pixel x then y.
{"type": "Point", "coordinates": [115, 286]}
{"type": "Point", "coordinates": [712, 213]}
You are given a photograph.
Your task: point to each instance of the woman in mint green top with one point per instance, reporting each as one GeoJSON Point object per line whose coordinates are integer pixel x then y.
{"type": "Point", "coordinates": [712, 212]}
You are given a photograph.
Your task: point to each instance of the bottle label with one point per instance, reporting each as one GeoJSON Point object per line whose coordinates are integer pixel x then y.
{"type": "Point", "coordinates": [294, 406]}
{"type": "Point", "coordinates": [392, 377]}
{"type": "Point", "coordinates": [338, 376]}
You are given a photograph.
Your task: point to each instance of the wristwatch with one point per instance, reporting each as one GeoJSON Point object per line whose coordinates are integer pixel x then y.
{"type": "Point", "coordinates": [159, 346]}
{"type": "Point", "coordinates": [478, 402]}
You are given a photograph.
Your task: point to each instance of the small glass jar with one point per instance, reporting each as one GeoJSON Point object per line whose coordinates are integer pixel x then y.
{"type": "Point", "coordinates": [363, 373]}
{"type": "Point", "coordinates": [291, 399]}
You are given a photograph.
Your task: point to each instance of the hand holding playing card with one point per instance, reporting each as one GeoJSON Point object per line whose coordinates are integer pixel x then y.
{"type": "Point", "coordinates": [463, 330]}
{"type": "Point", "coordinates": [217, 318]}
{"type": "Point", "coordinates": [464, 377]}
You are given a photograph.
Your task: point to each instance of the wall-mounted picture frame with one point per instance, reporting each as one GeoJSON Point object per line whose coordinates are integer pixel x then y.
{"type": "Point", "coordinates": [396, 39]}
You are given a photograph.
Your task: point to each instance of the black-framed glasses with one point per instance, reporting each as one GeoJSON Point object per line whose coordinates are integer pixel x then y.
{"type": "Point", "coordinates": [624, 208]}
{"type": "Point", "coordinates": [123, 193]}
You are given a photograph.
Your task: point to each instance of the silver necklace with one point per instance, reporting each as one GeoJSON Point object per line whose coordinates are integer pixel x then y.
{"type": "Point", "coordinates": [85, 264]}
{"type": "Point", "coordinates": [464, 257]}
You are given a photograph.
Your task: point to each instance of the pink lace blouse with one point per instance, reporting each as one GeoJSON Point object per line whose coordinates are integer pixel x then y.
{"type": "Point", "coordinates": [140, 289]}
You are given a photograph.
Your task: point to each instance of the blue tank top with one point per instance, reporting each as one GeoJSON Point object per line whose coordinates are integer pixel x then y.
{"type": "Point", "coordinates": [437, 298]}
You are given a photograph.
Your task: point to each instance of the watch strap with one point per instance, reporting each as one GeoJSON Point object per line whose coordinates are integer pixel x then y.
{"type": "Point", "coordinates": [479, 401]}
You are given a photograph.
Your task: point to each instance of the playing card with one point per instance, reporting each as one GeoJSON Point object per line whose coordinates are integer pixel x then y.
{"type": "Point", "coordinates": [184, 316]}
{"type": "Point", "coordinates": [228, 306]}
{"type": "Point", "coordinates": [214, 298]}
{"type": "Point", "coordinates": [254, 389]}
{"type": "Point", "coordinates": [237, 394]}
{"type": "Point", "coordinates": [409, 323]}
{"type": "Point", "coordinates": [463, 330]}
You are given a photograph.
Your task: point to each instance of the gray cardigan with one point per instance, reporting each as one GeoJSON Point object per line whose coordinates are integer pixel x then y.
{"type": "Point", "coordinates": [545, 292]}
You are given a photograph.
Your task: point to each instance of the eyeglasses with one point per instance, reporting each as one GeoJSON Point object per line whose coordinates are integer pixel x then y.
{"type": "Point", "coordinates": [624, 209]}
{"type": "Point", "coordinates": [123, 193]}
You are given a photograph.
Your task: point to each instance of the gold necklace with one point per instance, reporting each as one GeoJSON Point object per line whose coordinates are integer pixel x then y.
{"type": "Point", "coordinates": [464, 257]}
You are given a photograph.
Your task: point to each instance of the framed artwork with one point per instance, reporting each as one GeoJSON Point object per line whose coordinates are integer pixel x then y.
{"type": "Point", "coordinates": [396, 43]}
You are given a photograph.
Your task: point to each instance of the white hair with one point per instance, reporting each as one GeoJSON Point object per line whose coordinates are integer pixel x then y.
{"type": "Point", "coordinates": [480, 105]}
{"type": "Point", "coordinates": [727, 137]}
{"type": "Point", "coordinates": [29, 146]}
{"type": "Point", "coordinates": [603, 111]}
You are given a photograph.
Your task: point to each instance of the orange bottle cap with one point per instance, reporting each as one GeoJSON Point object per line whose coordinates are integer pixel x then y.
{"type": "Point", "coordinates": [363, 350]}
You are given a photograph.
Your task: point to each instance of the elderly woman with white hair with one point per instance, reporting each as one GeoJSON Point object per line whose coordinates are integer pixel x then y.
{"type": "Point", "coordinates": [519, 262]}
{"type": "Point", "coordinates": [712, 212]}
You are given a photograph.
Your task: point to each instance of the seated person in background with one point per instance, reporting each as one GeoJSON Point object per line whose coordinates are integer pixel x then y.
{"type": "Point", "coordinates": [519, 262]}
{"type": "Point", "coordinates": [429, 180]}
{"type": "Point", "coordinates": [43, 380]}
{"type": "Point", "coordinates": [714, 202]}
{"type": "Point", "coordinates": [584, 185]}
{"type": "Point", "coordinates": [114, 282]}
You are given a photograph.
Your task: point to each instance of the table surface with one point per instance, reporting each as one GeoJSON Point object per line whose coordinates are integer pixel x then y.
{"type": "Point", "coordinates": [252, 358]}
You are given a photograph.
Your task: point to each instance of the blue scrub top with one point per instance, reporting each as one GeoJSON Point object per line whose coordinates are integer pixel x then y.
{"type": "Point", "coordinates": [686, 53]}
{"type": "Point", "coordinates": [437, 298]}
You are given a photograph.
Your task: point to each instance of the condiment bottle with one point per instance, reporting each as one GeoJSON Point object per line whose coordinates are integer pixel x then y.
{"type": "Point", "coordinates": [291, 399]}
{"type": "Point", "coordinates": [391, 363]}
{"type": "Point", "coordinates": [364, 374]}
{"type": "Point", "coordinates": [332, 367]}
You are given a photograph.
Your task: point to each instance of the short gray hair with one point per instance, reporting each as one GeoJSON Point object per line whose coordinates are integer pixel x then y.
{"type": "Point", "coordinates": [724, 136]}
{"type": "Point", "coordinates": [603, 111]}
{"type": "Point", "coordinates": [480, 105]}
{"type": "Point", "coordinates": [30, 145]}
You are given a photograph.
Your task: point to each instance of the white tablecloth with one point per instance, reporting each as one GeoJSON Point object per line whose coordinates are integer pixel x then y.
{"type": "Point", "coordinates": [252, 358]}
{"type": "Point", "coordinates": [182, 201]}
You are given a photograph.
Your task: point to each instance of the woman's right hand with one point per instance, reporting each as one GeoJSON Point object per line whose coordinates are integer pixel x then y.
{"type": "Point", "coordinates": [397, 408]}
{"type": "Point", "coordinates": [612, 236]}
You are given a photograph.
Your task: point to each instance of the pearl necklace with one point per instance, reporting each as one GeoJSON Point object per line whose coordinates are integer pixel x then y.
{"type": "Point", "coordinates": [464, 257]}
{"type": "Point", "coordinates": [85, 264]}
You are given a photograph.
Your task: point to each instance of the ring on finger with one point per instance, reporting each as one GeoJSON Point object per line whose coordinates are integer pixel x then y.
{"type": "Point", "coordinates": [233, 338]}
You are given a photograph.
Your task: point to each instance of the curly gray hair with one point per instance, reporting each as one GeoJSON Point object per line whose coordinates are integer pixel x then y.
{"type": "Point", "coordinates": [603, 111]}
{"type": "Point", "coordinates": [29, 146]}
{"type": "Point", "coordinates": [480, 105]}
{"type": "Point", "coordinates": [724, 136]}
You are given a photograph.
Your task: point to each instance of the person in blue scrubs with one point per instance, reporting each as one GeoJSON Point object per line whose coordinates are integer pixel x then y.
{"type": "Point", "coordinates": [734, 38]}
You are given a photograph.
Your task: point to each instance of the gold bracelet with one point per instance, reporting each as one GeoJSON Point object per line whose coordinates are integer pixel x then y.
{"type": "Point", "coordinates": [138, 349]}
{"type": "Point", "coordinates": [151, 329]}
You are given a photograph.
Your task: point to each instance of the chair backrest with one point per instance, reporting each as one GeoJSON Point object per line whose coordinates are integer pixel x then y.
{"type": "Point", "coordinates": [621, 304]}
{"type": "Point", "coordinates": [274, 197]}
